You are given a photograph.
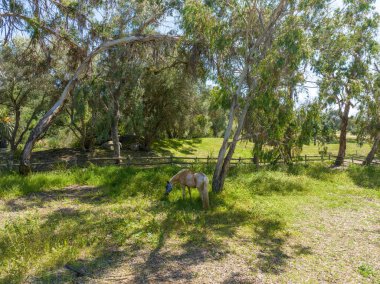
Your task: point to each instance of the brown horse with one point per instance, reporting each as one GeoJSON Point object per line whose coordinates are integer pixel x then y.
{"type": "Point", "coordinates": [189, 179]}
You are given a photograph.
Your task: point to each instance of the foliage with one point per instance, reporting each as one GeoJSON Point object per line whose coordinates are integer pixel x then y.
{"type": "Point", "coordinates": [25, 83]}
{"type": "Point", "coordinates": [368, 118]}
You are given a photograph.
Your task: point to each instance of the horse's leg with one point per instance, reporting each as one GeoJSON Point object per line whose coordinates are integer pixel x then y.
{"type": "Point", "coordinates": [183, 192]}
{"type": "Point", "coordinates": [189, 191]}
{"type": "Point", "coordinates": [201, 194]}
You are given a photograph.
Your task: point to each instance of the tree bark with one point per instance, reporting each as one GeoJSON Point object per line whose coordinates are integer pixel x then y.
{"type": "Point", "coordinates": [218, 181]}
{"type": "Point", "coordinates": [373, 151]}
{"type": "Point", "coordinates": [343, 135]}
{"type": "Point", "coordinates": [13, 138]}
{"type": "Point", "coordinates": [223, 148]}
{"type": "Point", "coordinates": [115, 130]}
{"type": "Point", "coordinates": [11, 158]}
{"type": "Point", "coordinates": [47, 119]}
{"type": "Point", "coordinates": [256, 158]}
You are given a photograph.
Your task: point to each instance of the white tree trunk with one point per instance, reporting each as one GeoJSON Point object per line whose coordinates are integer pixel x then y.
{"type": "Point", "coordinates": [216, 180]}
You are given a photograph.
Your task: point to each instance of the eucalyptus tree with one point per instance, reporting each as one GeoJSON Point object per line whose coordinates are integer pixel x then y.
{"type": "Point", "coordinates": [165, 100]}
{"type": "Point", "coordinates": [86, 118]}
{"type": "Point", "coordinates": [251, 45]}
{"type": "Point", "coordinates": [368, 119]}
{"type": "Point", "coordinates": [24, 84]}
{"type": "Point", "coordinates": [217, 110]}
{"type": "Point", "coordinates": [6, 129]}
{"type": "Point", "coordinates": [87, 28]}
{"type": "Point", "coordinates": [271, 122]}
{"type": "Point", "coordinates": [118, 73]}
{"type": "Point", "coordinates": [344, 45]}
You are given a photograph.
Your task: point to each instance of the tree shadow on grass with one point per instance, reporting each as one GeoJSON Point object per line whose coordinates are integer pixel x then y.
{"type": "Point", "coordinates": [83, 194]}
{"type": "Point", "coordinates": [185, 146]}
{"type": "Point", "coordinates": [270, 237]}
{"type": "Point", "coordinates": [317, 171]}
{"type": "Point", "coordinates": [116, 238]}
{"type": "Point", "coordinates": [198, 230]}
{"type": "Point", "coordinates": [302, 250]}
{"type": "Point", "coordinates": [70, 231]}
{"type": "Point", "coordinates": [130, 182]}
{"type": "Point", "coordinates": [368, 177]}
{"type": "Point", "coordinates": [63, 235]}
{"type": "Point", "coordinates": [27, 185]}
{"type": "Point", "coordinates": [117, 183]}
{"type": "Point", "coordinates": [238, 278]}
{"type": "Point", "coordinates": [266, 185]}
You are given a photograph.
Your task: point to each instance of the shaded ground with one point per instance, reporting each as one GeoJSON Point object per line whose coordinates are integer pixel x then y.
{"type": "Point", "coordinates": [278, 228]}
{"type": "Point", "coordinates": [61, 158]}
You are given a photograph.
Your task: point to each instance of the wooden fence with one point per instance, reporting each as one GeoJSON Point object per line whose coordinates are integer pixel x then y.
{"type": "Point", "coordinates": [152, 161]}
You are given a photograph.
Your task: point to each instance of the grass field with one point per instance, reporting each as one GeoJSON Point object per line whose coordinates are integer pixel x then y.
{"type": "Point", "coordinates": [203, 147]}
{"type": "Point", "coordinates": [100, 225]}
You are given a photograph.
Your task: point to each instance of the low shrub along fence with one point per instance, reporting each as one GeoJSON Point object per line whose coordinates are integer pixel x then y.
{"type": "Point", "coordinates": [83, 161]}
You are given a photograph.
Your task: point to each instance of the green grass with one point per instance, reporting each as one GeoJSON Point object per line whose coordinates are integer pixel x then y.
{"type": "Point", "coordinates": [203, 147]}
{"type": "Point", "coordinates": [352, 149]}
{"type": "Point", "coordinates": [200, 147]}
{"type": "Point", "coordinates": [366, 270]}
{"type": "Point", "coordinates": [279, 221]}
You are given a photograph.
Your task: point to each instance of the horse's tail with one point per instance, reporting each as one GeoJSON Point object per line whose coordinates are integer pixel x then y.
{"type": "Point", "coordinates": [205, 199]}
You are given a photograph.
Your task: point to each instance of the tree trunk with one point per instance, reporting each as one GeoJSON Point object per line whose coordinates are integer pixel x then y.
{"type": "Point", "coordinates": [11, 157]}
{"type": "Point", "coordinates": [115, 130]}
{"type": "Point", "coordinates": [343, 135]}
{"type": "Point", "coordinates": [13, 138]}
{"type": "Point", "coordinates": [16, 127]}
{"type": "Point", "coordinates": [223, 148]}
{"type": "Point", "coordinates": [47, 119]}
{"type": "Point", "coordinates": [218, 180]}
{"type": "Point", "coordinates": [217, 183]}
{"type": "Point", "coordinates": [256, 157]}
{"type": "Point", "coordinates": [373, 151]}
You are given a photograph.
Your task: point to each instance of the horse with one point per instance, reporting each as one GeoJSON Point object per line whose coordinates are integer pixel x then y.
{"type": "Point", "coordinates": [189, 179]}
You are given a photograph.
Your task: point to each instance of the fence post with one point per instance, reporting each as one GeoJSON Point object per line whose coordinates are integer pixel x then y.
{"type": "Point", "coordinates": [171, 160]}
{"type": "Point", "coordinates": [329, 157]}
{"type": "Point", "coordinates": [208, 159]}
{"type": "Point", "coordinates": [305, 158]}
{"type": "Point", "coordinates": [352, 159]}
{"type": "Point", "coordinates": [239, 160]}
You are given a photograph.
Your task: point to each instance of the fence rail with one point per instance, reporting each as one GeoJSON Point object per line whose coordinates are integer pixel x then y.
{"type": "Point", "coordinates": [144, 161]}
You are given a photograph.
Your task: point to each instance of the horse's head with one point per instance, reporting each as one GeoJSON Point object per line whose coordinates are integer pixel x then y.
{"type": "Point", "coordinates": [168, 188]}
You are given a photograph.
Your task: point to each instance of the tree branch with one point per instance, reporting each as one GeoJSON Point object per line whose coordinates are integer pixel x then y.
{"type": "Point", "coordinates": [43, 26]}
